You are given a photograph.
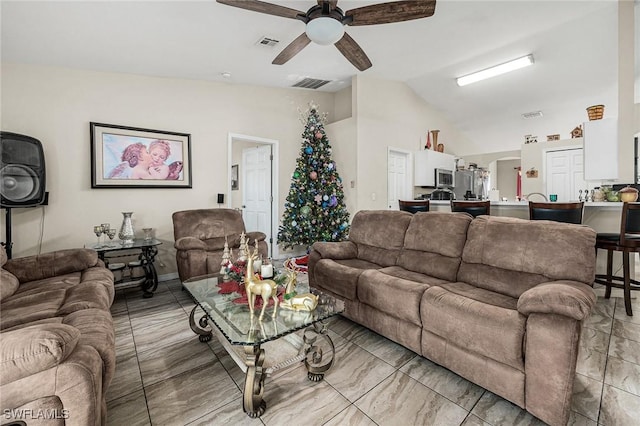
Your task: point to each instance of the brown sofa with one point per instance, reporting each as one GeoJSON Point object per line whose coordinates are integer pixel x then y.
{"type": "Point", "coordinates": [200, 236]}
{"type": "Point", "coordinates": [57, 352]}
{"type": "Point", "coordinates": [500, 301]}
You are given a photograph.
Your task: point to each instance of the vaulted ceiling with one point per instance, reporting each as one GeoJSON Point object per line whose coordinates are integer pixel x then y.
{"type": "Point", "coordinates": [574, 43]}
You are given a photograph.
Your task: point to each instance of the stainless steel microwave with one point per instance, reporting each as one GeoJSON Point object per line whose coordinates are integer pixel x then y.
{"type": "Point", "coordinates": [444, 178]}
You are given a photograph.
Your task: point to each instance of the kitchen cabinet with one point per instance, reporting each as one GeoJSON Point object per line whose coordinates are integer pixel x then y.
{"type": "Point", "coordinates": [425, 164]}
{"type": "Point", "coordinates": [600, 149]}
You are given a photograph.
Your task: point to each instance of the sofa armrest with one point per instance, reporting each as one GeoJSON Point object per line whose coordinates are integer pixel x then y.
{"type": "Point", "coordinates": [572, 299]}
{"type": "Point", "coordinates": [336, 250]}
{"type": "Point", "coordinates": [52, 264]}
{"type": "Point", "coordinates": [189, 243]}
{"type": "Point", "coordinates": [29, 350]}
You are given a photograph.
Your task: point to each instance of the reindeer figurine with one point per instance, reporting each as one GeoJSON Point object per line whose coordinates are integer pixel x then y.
{"type": "Point", "coordinates": [294, 301]}
{"type": "Point", "coordinates": [264, 288]}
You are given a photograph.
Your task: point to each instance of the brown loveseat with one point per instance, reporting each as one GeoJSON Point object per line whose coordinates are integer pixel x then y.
{"type": "Point", "coordinates": [57, 351]}
{"type": "Point", "coordinates": [200, 236]}
{"type": "Point", "coordinates": [500, 301]}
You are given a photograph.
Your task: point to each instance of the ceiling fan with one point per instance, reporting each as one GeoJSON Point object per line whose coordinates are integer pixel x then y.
{"type": "Point", "coordinates": [325, 23]}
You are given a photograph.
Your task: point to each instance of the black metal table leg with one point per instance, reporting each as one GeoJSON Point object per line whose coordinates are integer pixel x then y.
{"type": "Point", "coordinates": [147, 259]}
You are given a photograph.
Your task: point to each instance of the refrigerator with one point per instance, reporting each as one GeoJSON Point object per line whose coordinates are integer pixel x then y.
{"type": "Point", "coordinates": [474, 182]}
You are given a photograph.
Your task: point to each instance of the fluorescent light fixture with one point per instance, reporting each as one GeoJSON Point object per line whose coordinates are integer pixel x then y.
{"type": "Point", "coordinates": [325, 30]}
{"type": "Point", "coordinates": [497, 70]}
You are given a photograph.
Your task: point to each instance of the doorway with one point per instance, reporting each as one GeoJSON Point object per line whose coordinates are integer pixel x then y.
{"type": "Point", "coordinates": [399, 172]}
{"type": "Point", "coordinates": [255, 187]}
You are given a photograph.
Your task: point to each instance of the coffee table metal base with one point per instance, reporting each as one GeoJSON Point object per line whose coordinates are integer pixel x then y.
{"type": "Point", "coordinates": [314, 347]}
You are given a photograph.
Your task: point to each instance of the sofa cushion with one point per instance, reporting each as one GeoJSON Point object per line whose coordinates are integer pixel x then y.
{"type": "Point", "coordinates": [22, 309]}
{"type": "Point", "coordinates": [399, 272]}
{"type": "Point", "coordinates": [59, 282]}
{"type": "Point", "coordinates": [379, 234]}
{"type": "Point", "coordinates": [433, 244]}
{"type": "Point", "coordinates": [86, 295]}
{"type": "Point", "coordinates": [55, 263]}
{"type": "Point", "coordinates": [341, 276]}
{"type": "Point", "coordinates": [8, 284]}
{"type": "Point", "coordinates": [395, 296]}
{"type": "Point", "coordinates": [460, 315]}
{"type": "Point", "coordinates": [33, 349]}
{"type": "Point", "coordinates": [558, 251]}
{"type": "Point", "coordinates": [503, 281]}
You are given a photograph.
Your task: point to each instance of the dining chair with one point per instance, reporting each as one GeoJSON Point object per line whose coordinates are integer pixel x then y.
{"type": "Point", "coordinates": [626, 241]}
{"type": "Point", "coordinates": [474, 208]}
{"type": "Point", "coordinates": [559, 212]}
{"type": "Point", "coordinates": [414, 206]}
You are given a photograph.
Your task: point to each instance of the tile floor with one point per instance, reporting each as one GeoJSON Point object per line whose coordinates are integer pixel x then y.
{"type": "Point", "coordinates": [165, 376]}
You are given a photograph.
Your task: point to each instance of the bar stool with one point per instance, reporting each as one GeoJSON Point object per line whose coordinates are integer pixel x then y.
{"type": "Point", "coordinates": [474, 208]}
{"type": "Point", "coordinates": [559, 212]}
{"type": "Point", "coordinates": [414, 206]}
{"type": "Point", "coordinates": [627, 241]}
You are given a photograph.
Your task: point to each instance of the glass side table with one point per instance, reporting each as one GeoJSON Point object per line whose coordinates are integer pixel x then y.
{"type": "Point", "coordinates": [145, 250]}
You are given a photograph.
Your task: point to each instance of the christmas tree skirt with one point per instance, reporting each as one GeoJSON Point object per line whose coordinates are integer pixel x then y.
{"type": "Point", "coordinates": [298, 264]}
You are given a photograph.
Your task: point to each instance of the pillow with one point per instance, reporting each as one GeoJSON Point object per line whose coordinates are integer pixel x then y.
{"type": "Point", "coordinates": [36, 348]}
{"type": "Point", "coordinates": [8, 284]}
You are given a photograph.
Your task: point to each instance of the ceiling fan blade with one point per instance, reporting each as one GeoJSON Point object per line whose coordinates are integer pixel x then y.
{"type": "Point", "coordinates": [263, 7]}
{"type": "Point", "coordinates": [292, 49]}
{"type": "Point", "coordinates": [385, 13]}
{"type": "Point", "coordinates": [353, 52]}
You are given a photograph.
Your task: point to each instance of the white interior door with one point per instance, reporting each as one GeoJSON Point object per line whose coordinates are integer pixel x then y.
{"type": "Point", "coordinates": [256, 195]}
{"type": "Point", "coordinates": [565, 174]}
{"type": "Point", "coordinates": [398, 180]}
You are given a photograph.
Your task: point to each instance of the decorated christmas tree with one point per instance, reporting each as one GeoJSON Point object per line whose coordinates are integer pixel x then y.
{"type": "Point", "coordinates": [315, 209]}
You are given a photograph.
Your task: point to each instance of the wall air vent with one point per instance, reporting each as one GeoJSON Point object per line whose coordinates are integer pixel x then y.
{"type": "Point", "coordinates": [311, 83]}
{"type": "Point", "coordinates": [267, 41]}
{"type": "Point", "coordinates": [533, 114]}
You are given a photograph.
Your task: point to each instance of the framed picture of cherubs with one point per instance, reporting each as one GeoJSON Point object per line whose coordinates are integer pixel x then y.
{"type": "Point", "coordinates": [131, 157]}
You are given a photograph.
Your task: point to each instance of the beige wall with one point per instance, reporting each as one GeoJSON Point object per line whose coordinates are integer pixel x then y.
{"type": "Point", "coordinates": [342, 137]}
{"type": "Point", "coordinates": [506, 178]}
{"type": "Point", "coordinates": [390, 114]}
{"type": "Point", "coordinates": [56, 105]}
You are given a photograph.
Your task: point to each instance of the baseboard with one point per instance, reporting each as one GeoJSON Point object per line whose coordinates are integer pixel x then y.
{"type": "Point", "coordinates": [168, 277]}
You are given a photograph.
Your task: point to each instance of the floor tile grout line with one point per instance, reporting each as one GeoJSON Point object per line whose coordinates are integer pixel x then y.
{"type": "Point", "coordinates": [144, 391]}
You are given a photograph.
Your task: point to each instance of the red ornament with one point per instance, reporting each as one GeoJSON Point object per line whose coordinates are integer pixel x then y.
{"type": "Point", "coordinates": [318, 135]}
{"type": "Point", "coordinates": [313, 175]}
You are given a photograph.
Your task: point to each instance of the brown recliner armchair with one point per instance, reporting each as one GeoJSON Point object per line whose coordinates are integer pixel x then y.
{"type": "Point", "coordinates": [200, 235]}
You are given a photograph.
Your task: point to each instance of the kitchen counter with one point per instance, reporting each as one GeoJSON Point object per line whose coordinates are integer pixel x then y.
{"type": "Point", "coordinates": [526, 203]}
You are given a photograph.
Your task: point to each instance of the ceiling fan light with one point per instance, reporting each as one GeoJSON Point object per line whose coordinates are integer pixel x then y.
{"type": "Point", "coordinates": [324, 30]}
{"type": "Point", "coordinates": [496, 70]}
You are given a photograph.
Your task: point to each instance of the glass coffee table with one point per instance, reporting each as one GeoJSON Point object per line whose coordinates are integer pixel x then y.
{"type": "Point", "coordinates": [262, 348]}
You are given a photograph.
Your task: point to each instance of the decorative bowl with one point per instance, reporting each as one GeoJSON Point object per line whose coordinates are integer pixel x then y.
{"type": "Point", "coordinates": [628, 195]}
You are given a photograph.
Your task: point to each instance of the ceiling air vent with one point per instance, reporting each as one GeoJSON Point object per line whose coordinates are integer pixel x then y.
{"type": "Point", "coordinates": [311, 83]}
{"type": "Point", "coordinates": [533, 114]}
{"type": "Point", "coordinates": [267, 41]}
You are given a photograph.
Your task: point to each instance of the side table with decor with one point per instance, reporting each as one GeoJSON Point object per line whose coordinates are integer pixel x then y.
{"type": "Point", "coordinates": [141, 272]}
